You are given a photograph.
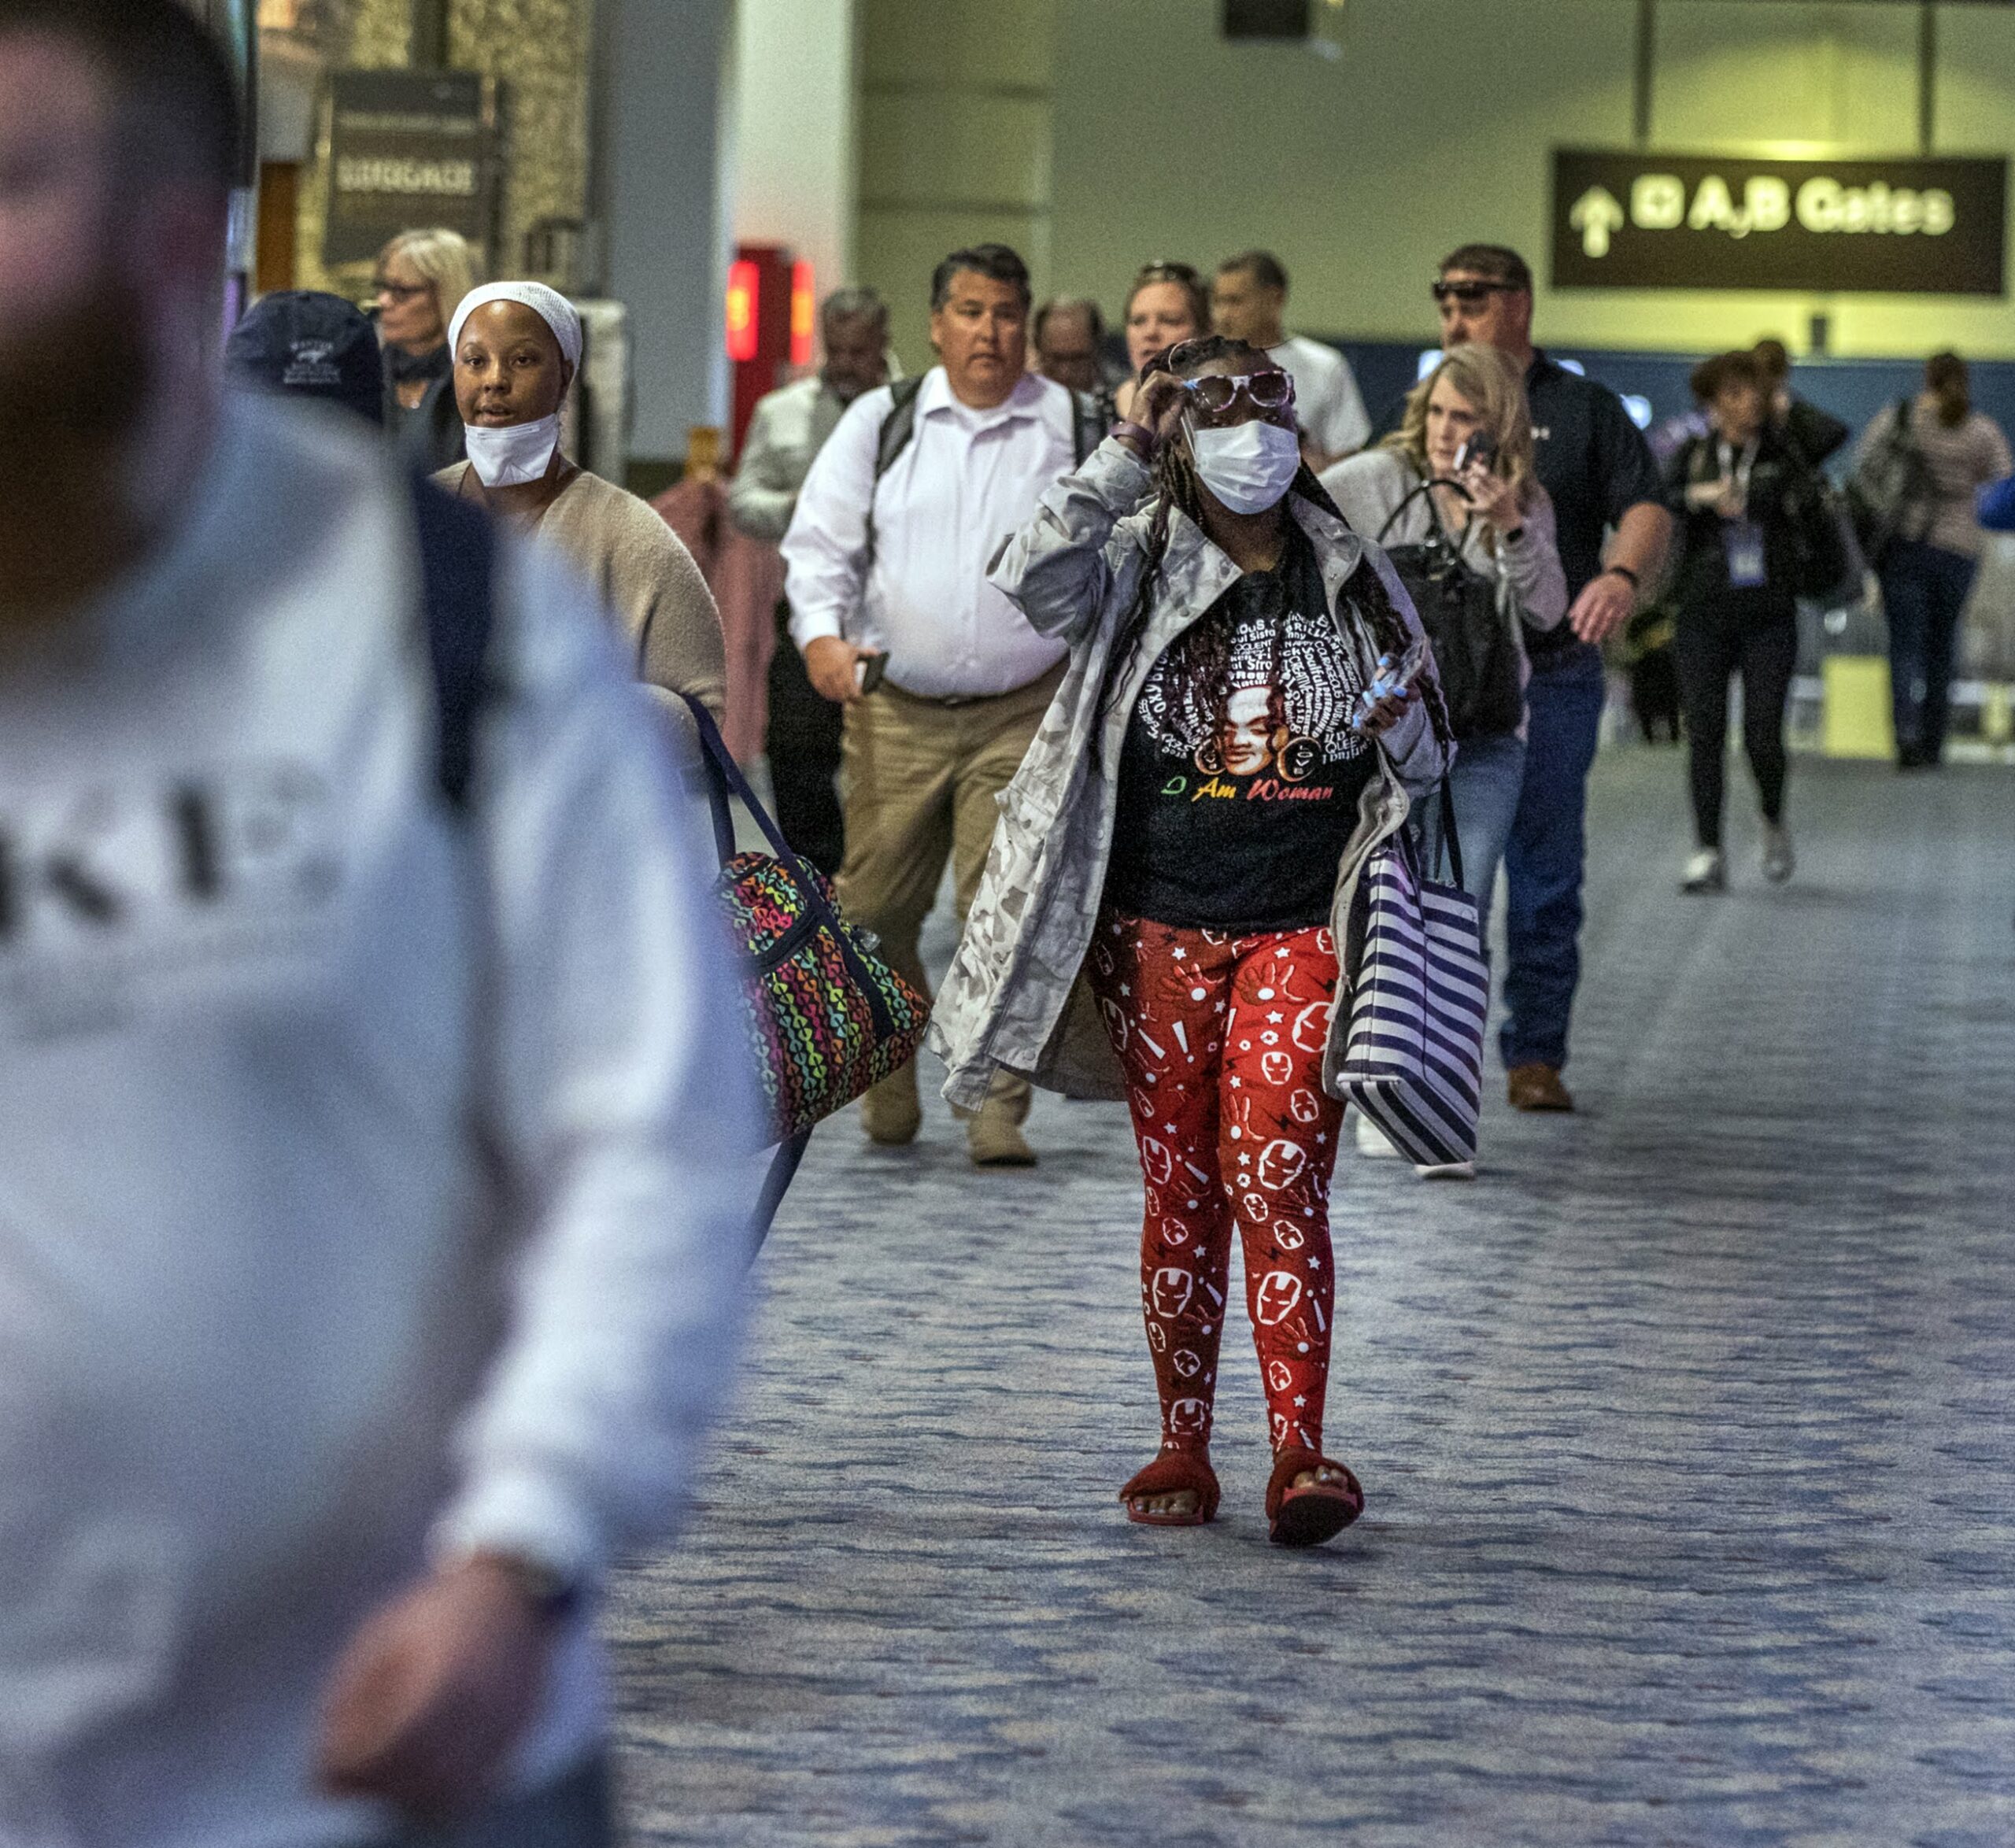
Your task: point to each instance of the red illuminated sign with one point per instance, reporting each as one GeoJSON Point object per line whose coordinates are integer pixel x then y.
{"type": "Point", "coordinates": [803, 312]}
{"type": "Point", "coordinates": [744, 293]}
{"type": "Point", "coordinates": [763, 287]}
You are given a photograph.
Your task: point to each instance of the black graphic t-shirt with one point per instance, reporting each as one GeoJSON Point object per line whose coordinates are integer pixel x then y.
{"type": "Point", "coordinates": [1238, 824]}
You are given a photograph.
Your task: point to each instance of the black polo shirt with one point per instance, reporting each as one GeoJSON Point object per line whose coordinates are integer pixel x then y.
{"type": "Point", "coordinates": [1595, 464]}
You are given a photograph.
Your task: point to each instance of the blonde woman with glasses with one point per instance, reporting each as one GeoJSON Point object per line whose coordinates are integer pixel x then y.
{"type": "Point", "coordinates": [421, 279]}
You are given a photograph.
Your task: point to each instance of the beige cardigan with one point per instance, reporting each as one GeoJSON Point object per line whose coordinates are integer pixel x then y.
{"type": "Point", "coordinates": [642, 573]}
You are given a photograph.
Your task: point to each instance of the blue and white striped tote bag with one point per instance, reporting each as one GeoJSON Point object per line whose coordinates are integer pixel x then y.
{"type": "Point", "coordinates": [1412, 1062]}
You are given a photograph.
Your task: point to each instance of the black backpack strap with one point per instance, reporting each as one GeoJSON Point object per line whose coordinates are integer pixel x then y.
{"type": "Point", "coordinates": [898, 426]}
{"type": "Point", "coordinates": [457, 573]}
{"type": "Point", "coordinates": [890, 441]}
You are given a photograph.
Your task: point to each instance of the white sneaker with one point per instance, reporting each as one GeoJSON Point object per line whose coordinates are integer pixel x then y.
{"type": "Point", "coordinates": [1706, 871]}
{"type": "Point", "coordinates": [1446, 1170]}
{"type": "Point", "coordinates": [1373, 1141]}
{"type": "Point", "coordinates": [1779, 861]}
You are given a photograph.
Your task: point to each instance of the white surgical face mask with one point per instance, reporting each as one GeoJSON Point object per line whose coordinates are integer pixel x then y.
{"type": "Point", "coordinates": [519, 453]}
{"type": "Point", "coordinates": [1248, 467]}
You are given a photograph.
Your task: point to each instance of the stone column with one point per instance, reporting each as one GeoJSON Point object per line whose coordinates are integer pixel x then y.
{"type": "Point", "coordinates": [956, 110]}
{"type": "Point", "coordinates": [663, 141]}
{"type": "Point", "coordinates": [541, 50]}
{"type": "Point", "coordinates": [798, 157]}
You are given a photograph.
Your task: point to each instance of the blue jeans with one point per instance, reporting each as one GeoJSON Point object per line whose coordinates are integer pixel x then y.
{"type": "Point", "coordinates": [1924, 590]}
{"type": "Point", "coordinates": [1485, 783]}
{"type": "Point", "coordinates": [1542, 859]}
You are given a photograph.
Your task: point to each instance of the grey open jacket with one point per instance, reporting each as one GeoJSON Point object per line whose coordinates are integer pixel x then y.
{"type": "Point", "coordinates": [1015, 998]}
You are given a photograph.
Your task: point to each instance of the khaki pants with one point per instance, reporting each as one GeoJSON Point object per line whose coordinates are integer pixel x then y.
{"type": "Point", "coordinates": [920, 779]}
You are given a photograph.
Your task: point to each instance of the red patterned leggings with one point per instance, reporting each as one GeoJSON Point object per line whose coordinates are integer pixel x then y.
{"type": "Point", "coordinates": [1221, 1039]}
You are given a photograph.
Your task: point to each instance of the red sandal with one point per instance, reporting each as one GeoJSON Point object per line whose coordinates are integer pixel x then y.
{"type": "Point", "coordinates": [1171, 1473]}
{"type": "Point", "coordinates": [1307, 1517]}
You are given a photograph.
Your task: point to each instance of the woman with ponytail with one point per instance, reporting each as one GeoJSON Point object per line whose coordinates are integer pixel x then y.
{"type": "Point", "coordinates": [1927, 570]}
{"type": "Point", "coordinates": [1248, 711]}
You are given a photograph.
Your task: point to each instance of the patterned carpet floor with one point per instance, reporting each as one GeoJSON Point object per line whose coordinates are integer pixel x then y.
{"type": "Point", "coordinates": [1685, 1432]}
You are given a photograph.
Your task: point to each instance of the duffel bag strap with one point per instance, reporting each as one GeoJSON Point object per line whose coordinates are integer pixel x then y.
{"type": "Point", "coordinates": [728, 781]}
{"type": "Point", "coordinates": [729, 778]}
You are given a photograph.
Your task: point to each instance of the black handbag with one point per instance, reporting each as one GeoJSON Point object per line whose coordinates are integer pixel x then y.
{"type": "Point", "coordinates": [1476, 654]}
{"type": "Point", "coordinates": [1890, 492]}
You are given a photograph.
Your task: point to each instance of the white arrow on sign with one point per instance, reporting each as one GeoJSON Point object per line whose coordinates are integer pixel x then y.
{"type": "Point", "coordinates": [1597, 215]}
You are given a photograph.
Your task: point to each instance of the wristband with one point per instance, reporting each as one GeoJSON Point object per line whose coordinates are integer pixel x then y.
{"type": "Point", "coordinates": [1126, 428]}
{"type": "Point", "coordinates": [1625, 573]}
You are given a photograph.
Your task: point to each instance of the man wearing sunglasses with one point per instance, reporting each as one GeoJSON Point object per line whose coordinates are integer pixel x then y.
{"type": "Point", "coordinates": [1595, 464]}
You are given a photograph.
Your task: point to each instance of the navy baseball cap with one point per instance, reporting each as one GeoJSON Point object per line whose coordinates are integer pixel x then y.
{"type": "Point", "coordinates": [300, 343]}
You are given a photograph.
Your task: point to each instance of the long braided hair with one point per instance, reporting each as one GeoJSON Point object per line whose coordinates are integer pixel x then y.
{"type": "Point", "coordinates": [1198, 661]}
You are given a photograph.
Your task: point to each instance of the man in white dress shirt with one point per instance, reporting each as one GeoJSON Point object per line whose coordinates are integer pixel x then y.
{"type": "Point", "coordinates": [1249, 298]}
{"type": "Point", "coordinates": [943, 681]}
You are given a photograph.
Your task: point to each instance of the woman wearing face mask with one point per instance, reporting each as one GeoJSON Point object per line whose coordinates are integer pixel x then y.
{"type": "Point", "coordinates": [1245, 717]}
{"type": "Point", "coordinates": [1737, 491]}
{"type": "Point", "coordinates": [422, 277]}
{"type": "Point", "coordinates": [517, 347]}
{"type": "Point", "coordinates": [1168, 304]}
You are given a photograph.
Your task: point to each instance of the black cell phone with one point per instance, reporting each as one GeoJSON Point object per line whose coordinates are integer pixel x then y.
{"type": "Point", "coordinates": [1480, 449]}
{"type": "Point", "coordinates": [872, 668]}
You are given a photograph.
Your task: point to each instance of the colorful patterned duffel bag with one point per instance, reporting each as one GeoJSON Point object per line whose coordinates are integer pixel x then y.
{"type": "Point", "coordinates": [828, 1017]}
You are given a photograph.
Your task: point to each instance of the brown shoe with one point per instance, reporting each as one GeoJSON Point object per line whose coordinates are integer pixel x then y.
{"type": "Point", "coordinates": [1536, 1086]}
{"type": "Point", "coordinates": [994, 1137]}
{"type": "Point", "coordinates": [889, 1112]}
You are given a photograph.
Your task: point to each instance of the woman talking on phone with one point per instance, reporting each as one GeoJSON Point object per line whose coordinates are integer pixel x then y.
{"type": "Point", "coordinates": [1452, 494]}
{"type": "Point", "coordinates": [1248, 712]}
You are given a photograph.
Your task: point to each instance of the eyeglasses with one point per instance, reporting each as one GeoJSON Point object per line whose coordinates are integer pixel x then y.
{"type": "Point", "coordinates": [1215, 394]}
{"type": "Point", "coordinates": [1470, 294]}
{"type": "Point", "coordinates": [399, 291]}
{"type": "Point", "coordinates": [1166, 272]}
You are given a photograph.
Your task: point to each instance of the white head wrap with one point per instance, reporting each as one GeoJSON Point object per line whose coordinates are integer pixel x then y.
{"type": "Point", "coordinates": [550, 306]}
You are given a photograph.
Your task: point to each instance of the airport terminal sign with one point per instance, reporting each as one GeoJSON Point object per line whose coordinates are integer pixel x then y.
{"type": "Point", "coordinates": [1635, 220]}
{"type": "Point", "coordinates": [406, 149]}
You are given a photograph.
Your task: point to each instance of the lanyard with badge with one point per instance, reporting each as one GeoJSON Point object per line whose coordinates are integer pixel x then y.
{"type": "Point", "coordinates": [1742, 538]}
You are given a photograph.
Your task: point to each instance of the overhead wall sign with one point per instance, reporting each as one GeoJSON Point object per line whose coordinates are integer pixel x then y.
{"type": "Point", "coordinates": [407, 149]}
{"type": "Point", "coordinates": [1636, 221]}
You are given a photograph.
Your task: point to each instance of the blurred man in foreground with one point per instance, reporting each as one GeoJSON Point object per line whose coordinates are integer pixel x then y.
{"type": "Point", "coordinates": [364, 1278]}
